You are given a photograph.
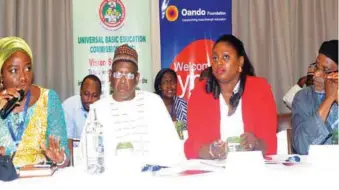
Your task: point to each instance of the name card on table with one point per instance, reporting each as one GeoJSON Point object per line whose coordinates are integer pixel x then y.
{"type": "Point", "coordinates": [245, 159]}
{"type": "Point", "coordinates": [76, 152]}
{"type": "Point", "coordinates": [324, 156]}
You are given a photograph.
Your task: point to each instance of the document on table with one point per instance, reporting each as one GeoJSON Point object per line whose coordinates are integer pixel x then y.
{"type": "Point", "coordinates": [193, 167]}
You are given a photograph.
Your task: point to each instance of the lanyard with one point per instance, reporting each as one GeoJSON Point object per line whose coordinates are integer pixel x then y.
{"type": "Point", "coordinates": [17, 138]}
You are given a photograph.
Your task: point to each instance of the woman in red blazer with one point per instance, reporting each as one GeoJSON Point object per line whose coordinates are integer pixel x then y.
{"type": "Point", "coordinates": [230, 84]}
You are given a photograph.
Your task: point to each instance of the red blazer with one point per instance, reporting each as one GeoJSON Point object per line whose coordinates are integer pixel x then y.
{"type": "Point", "coordinates": [258, 111]}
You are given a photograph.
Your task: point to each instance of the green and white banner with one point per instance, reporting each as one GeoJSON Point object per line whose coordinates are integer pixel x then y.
{"type": "Point", "coordinates": [99, 26]}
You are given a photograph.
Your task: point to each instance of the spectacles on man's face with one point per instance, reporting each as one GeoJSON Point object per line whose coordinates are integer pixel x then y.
{"type": "Point", "coordinates": [325, 70]}
{"type": "Point", "coordinates": [119, 75]}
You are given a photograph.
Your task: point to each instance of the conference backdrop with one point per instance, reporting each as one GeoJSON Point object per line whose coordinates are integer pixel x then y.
{"type": "Point", "coordinates": [99, 26]}
{"type": "Point", "coordinates": [188, 30]}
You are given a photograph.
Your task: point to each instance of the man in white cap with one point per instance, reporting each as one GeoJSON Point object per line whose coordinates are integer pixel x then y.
{"type": "Point", "coordinates": [135, 119]}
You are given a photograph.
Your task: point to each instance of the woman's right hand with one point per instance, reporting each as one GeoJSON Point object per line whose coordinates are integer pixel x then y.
{"type": "Point", "coordinates": [215, 150]}
{"type": "Point", "coordinates": [8, 94]}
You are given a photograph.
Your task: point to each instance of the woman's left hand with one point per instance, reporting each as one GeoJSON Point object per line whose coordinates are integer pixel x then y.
{"type": "Point", "coordinates": [248, 141]}
{"type": "Point", "coordinates": [54, 152]}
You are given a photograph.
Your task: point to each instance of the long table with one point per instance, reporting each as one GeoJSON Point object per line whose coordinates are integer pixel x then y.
{"type": "Point", "coordinates": [270, 176]}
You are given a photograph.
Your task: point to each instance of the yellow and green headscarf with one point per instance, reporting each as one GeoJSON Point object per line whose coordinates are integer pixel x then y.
{"type": "Point", "coordinates": [10, 45]}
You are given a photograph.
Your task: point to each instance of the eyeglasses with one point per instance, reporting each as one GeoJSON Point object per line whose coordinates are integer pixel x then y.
{"type": "Point", "coordinates": [324, 70]}
{"type": "Point", "coordinates": [119, 75]}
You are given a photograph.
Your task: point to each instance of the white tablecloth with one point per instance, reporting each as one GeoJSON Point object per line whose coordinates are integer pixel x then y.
{"type": "Point", "coordinates": [269, 176]}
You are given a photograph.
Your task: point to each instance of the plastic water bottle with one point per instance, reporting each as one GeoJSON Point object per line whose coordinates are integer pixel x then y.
{"type": "Point", "coordinates": [95, 161]}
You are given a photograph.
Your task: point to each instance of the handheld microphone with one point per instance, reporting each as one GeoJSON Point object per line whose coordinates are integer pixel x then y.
{"type": "Point", "coordinates": [4, 112]}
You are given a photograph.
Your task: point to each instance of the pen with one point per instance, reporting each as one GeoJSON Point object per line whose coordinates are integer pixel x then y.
{"type": "Point", "coordinates": [214, 165]}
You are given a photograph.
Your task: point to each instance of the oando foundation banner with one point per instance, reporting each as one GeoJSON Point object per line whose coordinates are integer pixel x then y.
{"type": "Point", "coordinates": [99, 26]}
{"type": "Point", "coordinates": [188, 30]}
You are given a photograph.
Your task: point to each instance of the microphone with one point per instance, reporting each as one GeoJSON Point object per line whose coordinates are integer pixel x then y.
{"type": "Point", "coordinates": [4, 112]}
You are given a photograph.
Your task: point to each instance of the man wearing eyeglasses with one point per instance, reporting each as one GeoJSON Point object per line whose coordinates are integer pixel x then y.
{"type": "Point", "coordinates": [315, 108]}
{"type": "Point", "coordinates": [135, 122]}
{"type": "Point", "coordinates": [303, 82]}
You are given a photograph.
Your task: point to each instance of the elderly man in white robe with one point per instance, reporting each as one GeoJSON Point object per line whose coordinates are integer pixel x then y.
{"type": "Point", "coordinates": [136, 124]}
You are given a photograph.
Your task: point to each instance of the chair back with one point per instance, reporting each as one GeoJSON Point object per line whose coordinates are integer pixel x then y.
{"type": "Point", "coordinates": [285, 123]}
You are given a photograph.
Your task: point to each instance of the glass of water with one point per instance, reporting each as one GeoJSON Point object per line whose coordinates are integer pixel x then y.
{"type": "Point", "coordinates": [124, 149]}
{"type": "Point", "coordinates": [179, 126]}
{"type": "Point", "coordinates": [233, 144]}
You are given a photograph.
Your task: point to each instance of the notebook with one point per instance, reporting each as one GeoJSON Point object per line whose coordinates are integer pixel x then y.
{"type": "Point", "coordinates": [37, 171]}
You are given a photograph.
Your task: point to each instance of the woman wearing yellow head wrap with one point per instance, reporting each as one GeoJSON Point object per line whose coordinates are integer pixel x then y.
{"type": "Point", "coordinates": [34, 131]}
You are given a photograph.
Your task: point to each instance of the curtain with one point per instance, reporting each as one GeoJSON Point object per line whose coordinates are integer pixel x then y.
{"type": "Point", "coordinates": [46, 25]}
{"type": "Point", "coordinates": [282, 37]}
